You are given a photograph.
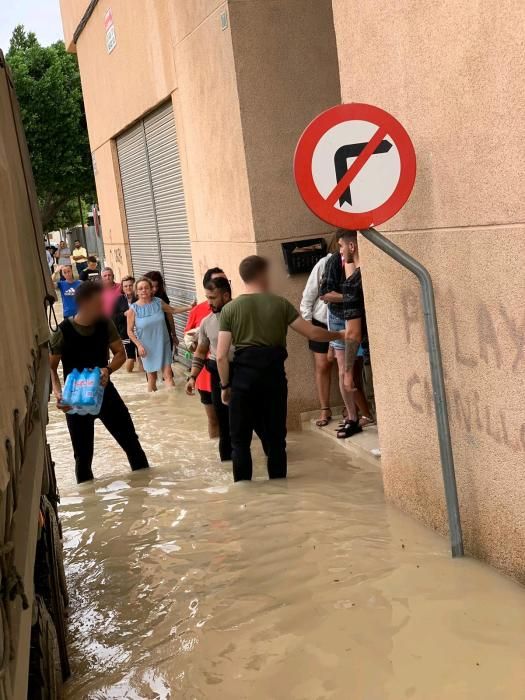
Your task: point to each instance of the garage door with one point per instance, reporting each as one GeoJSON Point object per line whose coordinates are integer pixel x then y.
{"type": "Point", "coordinates": [153, 191]}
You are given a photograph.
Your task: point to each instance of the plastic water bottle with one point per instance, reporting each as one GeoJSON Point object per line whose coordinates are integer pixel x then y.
{"type": "Point", "coordinates": [69, 384]}
{"type": "Point", "coordinates": [90, 388]}
{"type": "Point", "coordinates": [78, 393]}
{"type": "Point", "coordinates": [99, 396]}
{"type": "Point", "coordinates": [94, 391]}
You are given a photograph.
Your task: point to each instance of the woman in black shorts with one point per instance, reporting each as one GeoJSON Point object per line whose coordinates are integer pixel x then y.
{"type": "Point", "coordinates": [315, 310]}
{"type": "Point", "coordinates": [122, 303]}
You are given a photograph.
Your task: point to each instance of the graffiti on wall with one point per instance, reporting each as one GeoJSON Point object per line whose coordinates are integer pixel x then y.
{"type": "Point", "coordinates": [496, 341]}
{"type": "Point", "coordinates": [115, 255]}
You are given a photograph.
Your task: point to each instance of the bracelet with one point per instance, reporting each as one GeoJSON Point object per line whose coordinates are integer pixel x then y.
{"type": "Point", "coordinates": [197, 363]}
{"type": "Point", "coordinates": [225, 386]}
{"type": "Point", "coordinates": [110, 371]}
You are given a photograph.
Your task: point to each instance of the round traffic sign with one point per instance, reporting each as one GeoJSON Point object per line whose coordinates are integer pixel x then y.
{"type": "Point", "coordinates": [355, 166]}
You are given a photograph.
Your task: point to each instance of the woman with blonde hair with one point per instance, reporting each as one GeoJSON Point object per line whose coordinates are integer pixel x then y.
{"type": "Point", "coordinates": [147, 330]}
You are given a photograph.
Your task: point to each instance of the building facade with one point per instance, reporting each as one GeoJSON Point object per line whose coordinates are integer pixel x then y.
{"type": "Point", "coordinates": [234, 84]}
{"type": "Point", "coordinates": [193, 123]}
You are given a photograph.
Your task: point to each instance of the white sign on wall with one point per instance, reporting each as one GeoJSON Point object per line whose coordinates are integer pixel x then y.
{"type": "Point", "coordinates": [111, 37]}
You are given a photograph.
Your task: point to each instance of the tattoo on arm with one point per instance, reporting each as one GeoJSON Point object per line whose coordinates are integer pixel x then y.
{"type": "Point", "coordinates": [351, 348]}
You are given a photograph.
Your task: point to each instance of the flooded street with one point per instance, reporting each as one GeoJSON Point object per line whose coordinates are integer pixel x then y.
{"type": "Point", "coordinates": [184, 585]}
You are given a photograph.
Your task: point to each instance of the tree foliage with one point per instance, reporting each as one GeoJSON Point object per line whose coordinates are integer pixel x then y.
{"type": "Point", "coordinates": [47, 84]}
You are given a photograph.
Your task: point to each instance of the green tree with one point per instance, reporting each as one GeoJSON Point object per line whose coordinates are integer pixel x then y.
{"type": "Point", "coordinates": [47, 84]}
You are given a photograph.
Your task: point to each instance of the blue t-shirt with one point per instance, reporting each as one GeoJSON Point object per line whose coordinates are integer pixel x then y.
{"type": "Point", "coordinates": [67, 291]}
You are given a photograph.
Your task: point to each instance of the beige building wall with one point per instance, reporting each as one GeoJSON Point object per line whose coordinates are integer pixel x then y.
{"type": "Point", "coordinates": [111, 204]}
{"type": "Point", "coordinates": [210, 129]}
{"type": "Point", "coordinates": [453, 74]}
{"type": "Point", "coordinates": [118, 88]}
{"type": "Point", "coordinates": [136, 76]}
{"type": "Point", "coordinates": [287, 72]}
{"type": "Point", "coordinates": [72, 12]}
{"type": "Point", "coordinates": [245, 78]}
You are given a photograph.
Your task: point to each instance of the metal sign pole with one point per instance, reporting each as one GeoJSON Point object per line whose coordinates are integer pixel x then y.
{"type": "Point", "coordinates": [438, 383]}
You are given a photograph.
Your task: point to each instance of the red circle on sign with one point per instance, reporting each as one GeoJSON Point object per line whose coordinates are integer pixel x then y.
{"type": "Point", "coordinates": [304, 152]}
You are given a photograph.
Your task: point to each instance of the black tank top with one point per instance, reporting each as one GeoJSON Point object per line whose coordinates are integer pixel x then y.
{"type": "Point", "coordinates": [81, 351]}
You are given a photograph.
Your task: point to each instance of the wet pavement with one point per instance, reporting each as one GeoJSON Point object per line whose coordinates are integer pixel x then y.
{"type": "Point", "coordinates": [184, 585]}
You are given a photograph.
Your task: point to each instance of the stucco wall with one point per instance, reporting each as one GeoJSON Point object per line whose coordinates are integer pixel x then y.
{"type": "Point", "coordinates": [453, 74]}
{"type": "Point", "coordinates": [111, 204]}
{"type": "Point", "coordinates": [187, 16]}
{"type": "Point", "coordinates": [137, 75]}
{"type": "Point", "coordinates": [215, 177]}
{"type": "Point", "coordinates": [72, 12]}
{"type": "Point", "coordinates": [287, 72]}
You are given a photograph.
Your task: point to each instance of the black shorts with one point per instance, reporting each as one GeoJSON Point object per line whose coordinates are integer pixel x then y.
{"type": "Point", "coordinates": [205, 397]}
{"type": "Point", "coordinates": [317, 345]}
{"type": "Point", "coordinates": [131, 349]}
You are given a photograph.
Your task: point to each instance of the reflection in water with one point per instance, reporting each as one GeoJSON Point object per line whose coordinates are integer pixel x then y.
{"type": "Point", "coordinates": [186, 586]}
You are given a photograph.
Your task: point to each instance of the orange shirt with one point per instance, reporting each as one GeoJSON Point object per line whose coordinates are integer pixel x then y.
{"type": "Point", "coordinates": [196, 316]}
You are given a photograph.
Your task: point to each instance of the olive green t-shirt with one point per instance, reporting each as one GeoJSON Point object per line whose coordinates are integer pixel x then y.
{"type": "Point", "coordinates": [258, 320]}
{"type": "Point", "coordinates": [57, 339]}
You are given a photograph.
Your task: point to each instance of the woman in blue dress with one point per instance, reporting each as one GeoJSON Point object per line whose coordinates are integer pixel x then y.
{"type": "Point", "coordinates": [147, 329]}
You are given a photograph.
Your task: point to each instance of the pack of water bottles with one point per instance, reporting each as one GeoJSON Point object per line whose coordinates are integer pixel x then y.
{"type": "Point", "coordinates": [83, 391]}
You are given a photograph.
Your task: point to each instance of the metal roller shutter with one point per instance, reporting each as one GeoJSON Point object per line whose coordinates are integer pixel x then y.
{"type": "Point", "coordinates": [138, 200]}
{"type": "Point", "coordinates": [151, 175]}
{"type": "Point", "coordinates": [170, 208]}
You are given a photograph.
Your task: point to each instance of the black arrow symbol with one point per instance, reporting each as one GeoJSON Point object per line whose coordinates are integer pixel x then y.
{"type": "Point", "coordinates": [341, 163]}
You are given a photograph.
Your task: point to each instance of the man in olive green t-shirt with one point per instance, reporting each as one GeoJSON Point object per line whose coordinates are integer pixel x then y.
{"type": "Point", "coordinates": [256, 323]}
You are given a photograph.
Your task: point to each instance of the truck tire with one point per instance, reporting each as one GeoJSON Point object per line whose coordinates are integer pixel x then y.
{"type": "Point", "coordinates": [50, 579]}
{"type": "Point", "coordinates": [45, 672]}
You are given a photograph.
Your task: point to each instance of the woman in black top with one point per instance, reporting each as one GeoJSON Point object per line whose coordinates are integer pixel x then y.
{"type": "Point", "coordinates": [122, 303]}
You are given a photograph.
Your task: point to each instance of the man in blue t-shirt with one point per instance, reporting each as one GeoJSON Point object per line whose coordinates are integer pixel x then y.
{"type": "Point", "coordinates": [67, 287]}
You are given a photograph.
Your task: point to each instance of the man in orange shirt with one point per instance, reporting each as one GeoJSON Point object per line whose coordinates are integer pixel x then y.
{"type": "Point", "coordinates": [203, 381]}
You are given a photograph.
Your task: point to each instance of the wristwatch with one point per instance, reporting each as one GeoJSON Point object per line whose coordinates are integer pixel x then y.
{"type": "Point", "coordinates": [110, 371]}
{"type": "Point", "coordinates": [225, 386]}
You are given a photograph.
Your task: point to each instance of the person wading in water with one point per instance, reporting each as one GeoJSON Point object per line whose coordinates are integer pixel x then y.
{"type": "Point", "coordinates": [147, 329]}
{"type": "Point", "coordinates": [81, 342]}
{"type": "Point", "coordinates": [256, 323]}
{"type": "Point", "coordinates": [218, 294]}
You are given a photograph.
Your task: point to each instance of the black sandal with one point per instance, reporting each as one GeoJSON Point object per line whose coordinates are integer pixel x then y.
{"type": "Point", "coordinates": [351, 427]}
{"type": "Point", "coordinates": [322, 422]}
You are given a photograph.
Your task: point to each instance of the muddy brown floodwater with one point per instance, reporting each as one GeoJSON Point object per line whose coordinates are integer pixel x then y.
{"type": "Point", "coordinates": [184, 585]}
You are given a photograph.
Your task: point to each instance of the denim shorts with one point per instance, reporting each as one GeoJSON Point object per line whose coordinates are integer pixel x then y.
{"type": "Point", "coordinates": [336, 324]}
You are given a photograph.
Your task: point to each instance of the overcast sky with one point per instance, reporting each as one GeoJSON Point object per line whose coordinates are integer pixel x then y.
{"type": "Point", "coordinates": [39, 16]}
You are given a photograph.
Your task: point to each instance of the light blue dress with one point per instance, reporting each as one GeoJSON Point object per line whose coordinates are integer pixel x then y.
{"type": "Point", "coordinates": [150, 329]}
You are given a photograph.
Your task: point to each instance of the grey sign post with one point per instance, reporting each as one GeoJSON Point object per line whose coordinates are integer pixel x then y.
{"type": "Point", "coordinates": [438, 383]}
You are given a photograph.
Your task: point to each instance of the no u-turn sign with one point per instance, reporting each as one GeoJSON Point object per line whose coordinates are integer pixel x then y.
{"type": "Point", "coordinates": [355, 166]}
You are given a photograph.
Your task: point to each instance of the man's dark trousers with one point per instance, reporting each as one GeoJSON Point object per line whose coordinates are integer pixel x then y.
{"type": "Point", "coordinates": [259, 394]}
{"type": "Point", "coordinates": [116, 418]}
{"type": "Point", "coordinates": [222, 411]}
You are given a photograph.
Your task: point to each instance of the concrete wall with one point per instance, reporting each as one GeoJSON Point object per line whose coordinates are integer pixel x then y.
{"type": "Point", "coordinates": [453, 74]}
{"type": "Point", "coordinates": [287, 72]}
